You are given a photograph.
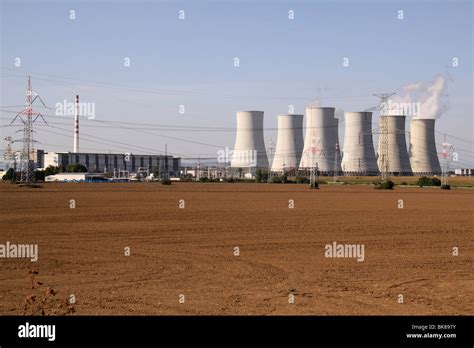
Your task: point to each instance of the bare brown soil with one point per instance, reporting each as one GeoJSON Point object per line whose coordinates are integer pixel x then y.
{"type": "Point", "coordinates": [190, 251]}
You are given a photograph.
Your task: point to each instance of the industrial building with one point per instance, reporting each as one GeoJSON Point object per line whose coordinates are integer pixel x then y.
{"type": "Point", "coordinates": [398, 159]}
{"type": "Point", "coordinates": [75, 177]}
{"type": "Point", "coordinates": [108, 162]}
{"type": "Point", "coordinates": [321, 141]}
{"type": "Point", "coordinates": [464, 172]}
{"type": "Point", "coordinates": [320, 149]}
{"type": "Point", "coordinates": [249, 151]}
{"type": "Point", "coordinates": [423, 155]}
{"type": "Point", "coordinates": [358, 154]}
{"type": "Point", "coordinates": [289, 145]}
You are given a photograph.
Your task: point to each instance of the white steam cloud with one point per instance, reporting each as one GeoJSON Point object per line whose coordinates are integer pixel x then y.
{"type": "Point", "coordinates": [426, 100]}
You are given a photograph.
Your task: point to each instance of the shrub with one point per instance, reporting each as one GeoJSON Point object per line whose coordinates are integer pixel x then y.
{"type": "Point", "coordinates": [244, 180]}
{"type": "Point", "coordinates": [276, 180]}
{"type": "Point", "coordinates": [385, 185]}
{"type": "Point", "coordinates": [445, 187]}
{"type": "Point", "coordinates": [301, 180]}
{"type": "Point", "coordinates": [425, 181]}
{"type": "Point", "coordinates": [261, 175]}
{"type": "Point", "coordinates": [9, 175]}
{"type": "Point", "coordinates": [166, 181]}
{"type": "Point", "coordinates": [314, 185]}
{"type": "Point", "coordinates": [39, 175]}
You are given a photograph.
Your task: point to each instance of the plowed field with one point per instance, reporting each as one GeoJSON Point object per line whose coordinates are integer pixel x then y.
{"type": "Point", "coordinates": [280, 252]}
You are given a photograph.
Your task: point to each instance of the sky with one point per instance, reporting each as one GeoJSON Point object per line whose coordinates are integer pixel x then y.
{"type": "Point", "coordinates": [182, 88]}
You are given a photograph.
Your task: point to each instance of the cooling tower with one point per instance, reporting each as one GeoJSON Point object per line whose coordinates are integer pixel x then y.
{"type": "Point", "coordinates": [249, 150]}
{"type": "Point", "coordinates": [289, 142]}
{"type": "Point", "coordinates": [359, 154]}
{"type": "Point", "coordinates": [398, 160]}
{"type": "Point", "coordinates": [320, 141]}
{"type": "Point", "coordinates": [423, 155]}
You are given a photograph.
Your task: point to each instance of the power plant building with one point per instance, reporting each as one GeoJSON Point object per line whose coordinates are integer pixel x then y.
{"type": "Point", "coordinates": [289, 145]}
{"type": "Point", "coordinates": [108, 162]}
{"type": "Point", "coordinates": [423, 154]}
{"type": "Point", "coordinates": [398, 159]}
{"type": "Point", "coordinates": [249, 152]}
{"type": "Point", "coordinates": [321, 140]}
{"type": "Point", "coordinates": [358, 154]}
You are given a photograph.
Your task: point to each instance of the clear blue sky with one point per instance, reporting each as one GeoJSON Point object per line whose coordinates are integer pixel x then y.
{"type": "Point", "coordinates": [190, 62]}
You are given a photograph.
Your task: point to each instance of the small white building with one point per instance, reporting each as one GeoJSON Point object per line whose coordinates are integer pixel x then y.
{"type": "Point", "coordinates": [74, 177]}
{"type": "Point", "coordinates": [464, 172]}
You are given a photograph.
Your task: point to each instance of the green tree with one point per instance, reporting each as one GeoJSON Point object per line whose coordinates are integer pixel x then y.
{"type": "Point", "coordinates": [51, 170]}
{"type": "Point", "coordinates": [8, 175]}
{"type": "Point", "coordinates": [261, 175]}
{"type": "Point", "coordinates": [76, 168]}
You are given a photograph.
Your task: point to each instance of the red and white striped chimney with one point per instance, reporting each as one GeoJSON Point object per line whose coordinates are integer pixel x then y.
{"type": "Point", "coordinates": [76, 125]}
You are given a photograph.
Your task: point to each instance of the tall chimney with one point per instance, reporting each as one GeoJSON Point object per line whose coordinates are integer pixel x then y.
{"type": "Point", "coordinates": [76, 125]}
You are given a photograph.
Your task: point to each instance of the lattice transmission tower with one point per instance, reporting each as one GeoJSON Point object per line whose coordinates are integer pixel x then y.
{"type": "Point", "coordinates": [28, 117]}
{"type": "Point", "coordinates": [314, 168]}
{"type": "Point", "coordinates": [9, 155]}
{"type": "Point", "coordinates": [446, 156]}
{"type": "Point", "coordinates": [383, 155]}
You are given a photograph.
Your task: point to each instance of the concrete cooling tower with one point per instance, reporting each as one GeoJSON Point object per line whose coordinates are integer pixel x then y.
{"type": "Point", "coordinates": [320, 141]}
{"type": "Point", "coordinates": [358, 155]}
{"type": "Point", "coordinates": [249, 151]}
{"type": "Point", "coordinates": [423, 155]}
{"type": "Point", "coordinates": [399, 162]}
{"type": "Point", "coordinates": [289, 143]}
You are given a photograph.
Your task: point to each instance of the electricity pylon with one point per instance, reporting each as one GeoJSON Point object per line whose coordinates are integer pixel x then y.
{"type": "Point", "coordinates": [383, 155]}
{"type": "Point", "coordinates": [28, 117]}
